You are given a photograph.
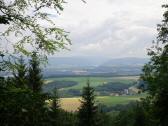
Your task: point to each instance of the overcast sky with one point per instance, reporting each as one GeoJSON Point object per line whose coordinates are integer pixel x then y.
{"type": "Point", "coordinates": [111, 28]}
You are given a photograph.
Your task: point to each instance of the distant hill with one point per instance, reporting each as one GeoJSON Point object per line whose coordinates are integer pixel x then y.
{"type": "Point", "coordinates": [126, 62]}
{"type": "Point", "coordinates": [122, 66]}
{"type": "Point", "coordinates": [93, 66]}
{"type": "Point", "coordinates": [75, 61]}
{"type": "Point", "coordinates": [94, 61]}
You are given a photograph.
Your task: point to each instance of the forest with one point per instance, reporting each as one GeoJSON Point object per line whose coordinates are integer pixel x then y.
{"type": "Point", "coordinates": [27, 98]}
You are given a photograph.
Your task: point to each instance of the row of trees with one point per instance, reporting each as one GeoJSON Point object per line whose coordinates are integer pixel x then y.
{"type": "Point", "coordinates": [27, 76]}
{"type": "Point", "coordinates": [22, 101]}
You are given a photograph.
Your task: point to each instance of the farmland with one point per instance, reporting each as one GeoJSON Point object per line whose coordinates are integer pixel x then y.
{"type": "Point", "coordinates": [95, 81]}
{"type": "Point", "coordinates": [72, 104]}
{"type": "Point", "coordinates": [104, 88]}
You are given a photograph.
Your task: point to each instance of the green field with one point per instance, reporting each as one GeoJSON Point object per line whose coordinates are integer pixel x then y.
{"type": "Point", "coordinates": [95, 81]}
{"type": "Point", "coordinates": [73, 103]}
{"type": "Point", "coordinates": [114, 100]}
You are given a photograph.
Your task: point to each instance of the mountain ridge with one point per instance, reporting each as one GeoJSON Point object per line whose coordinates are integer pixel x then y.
{"type": "Point", "coordinates": [95, 61]}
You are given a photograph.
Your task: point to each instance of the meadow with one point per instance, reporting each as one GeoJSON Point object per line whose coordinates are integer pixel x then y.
{"type": "Point", "coordinates": [94, 81]}
{"type": "Point", "coordinates": [73, 103]}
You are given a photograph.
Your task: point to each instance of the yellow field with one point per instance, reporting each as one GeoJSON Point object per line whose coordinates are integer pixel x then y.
{"type": "Point", "coordinates": [70, 104]}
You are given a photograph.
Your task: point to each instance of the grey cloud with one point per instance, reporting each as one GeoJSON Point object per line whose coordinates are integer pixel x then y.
{"type": "Point", "coordinates": [133, 36]}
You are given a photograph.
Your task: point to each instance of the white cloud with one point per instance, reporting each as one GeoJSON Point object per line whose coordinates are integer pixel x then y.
{"type": "Point", "coordinates": [113, 28]}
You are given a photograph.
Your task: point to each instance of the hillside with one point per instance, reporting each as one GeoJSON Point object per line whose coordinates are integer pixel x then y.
{"type": "Point", "coordinates": [129, 61]}
{"type": "Point", "coordinates": [93, 66]}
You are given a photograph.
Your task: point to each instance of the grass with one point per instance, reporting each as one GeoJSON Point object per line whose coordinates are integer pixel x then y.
{"type": "Point", "coordinates": [95, 81]}
{"type": "Point", "coordinates": [72, 104]}
{"type": "Point", "coordinates": [114, 100]}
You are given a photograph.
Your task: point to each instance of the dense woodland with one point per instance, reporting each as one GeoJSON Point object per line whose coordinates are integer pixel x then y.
{"type": "Point", "coordinates": [22, 102]}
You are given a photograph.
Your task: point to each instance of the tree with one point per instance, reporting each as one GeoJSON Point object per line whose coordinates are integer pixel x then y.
{"type": "Point", "coordinates": [55, 109]}
{"type": "Point", "coordinates": [21, 18]}
{"type": "Point", "coordinates": [20, 107]}
{"type": "Point", "coordinates": [139, 115]}
{"type": "Point", "coordinates": [88, 111]}
{"type": "Point", "coordinates": [55, 105]}
{"type": "Point", "coordinates": [34, 75]}
{"type": "Point", "coordinates": [3, 63]}
{"type": "Point", "coordinates": [156, 72]}
{"type": "Point", "coordinates": [20, 73]}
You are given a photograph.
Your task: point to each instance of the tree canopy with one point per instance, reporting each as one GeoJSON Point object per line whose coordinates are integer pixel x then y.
{"type": "Point", "coordinates": [21, 18]}
{"type": "Point", "coordinates": [156, 72]}
{"type": "Point", "coordinates": [88, 110]}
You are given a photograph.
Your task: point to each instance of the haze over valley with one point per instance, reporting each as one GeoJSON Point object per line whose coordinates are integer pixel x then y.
{"type": "Point", "coordinates": [93, 66]}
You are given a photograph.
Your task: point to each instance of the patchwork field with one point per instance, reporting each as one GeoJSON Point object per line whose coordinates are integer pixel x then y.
{"type": "Point", "coordinates": [108, 85]}
{"type": "Point", "coordinates": [72, 104]}
{"type": "Point", "coordinates": [95, 81]}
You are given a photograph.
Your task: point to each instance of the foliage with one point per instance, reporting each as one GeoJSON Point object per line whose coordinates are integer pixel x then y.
{"type": "Point", "coordinates": [22, 106]}
{"type": "Point", "coordinates": [24, 19]}
{"type": "Point", "coordinates": [155, 72]}
{"type": "Point", "coordinates": [58, 84]}
{"type": "Point", "coordinates": [69, 93]}
{"type": "Point", "coordinates": [136, 115]}
{"type": "Point", "coordinates": [88, 110]}
{"type": "Point", "coordinates": [3, 63]}
{"type": "Point", "coordinates": [117, 107]}
{"type": "Point", "coordinates": [34, 75]}
{"type": "Point", "coordinates": [19, 107]}
{"type": "Point", "coordinates": [20, 73]}
{"type": "Point", "coordinates": [112, 87]}
{"type": "Point", "coordinates": [59, 117]}
{"type": "Point", "coordinates": [55, 105]}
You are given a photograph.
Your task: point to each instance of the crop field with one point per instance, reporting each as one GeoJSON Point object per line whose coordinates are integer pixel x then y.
{"type": "Point", "coordinates": [94, 81]}
{"type": "Point", "coordinates": [72, 104]}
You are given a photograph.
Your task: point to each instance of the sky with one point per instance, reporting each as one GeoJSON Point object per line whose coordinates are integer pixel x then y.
{"type": "Point", "coordinates": [110, 28]}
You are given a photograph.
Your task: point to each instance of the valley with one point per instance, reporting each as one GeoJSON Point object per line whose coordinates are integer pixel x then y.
{"type": "Point", "coordinates": [109, 91]}
{"type": "Point", "coordinates": [115, 81]}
